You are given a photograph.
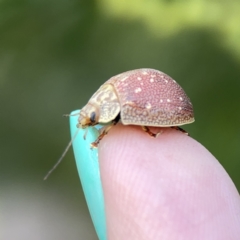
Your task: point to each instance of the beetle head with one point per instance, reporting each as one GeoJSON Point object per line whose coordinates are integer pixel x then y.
{"type": "Point", "coordinates": [88, 116]}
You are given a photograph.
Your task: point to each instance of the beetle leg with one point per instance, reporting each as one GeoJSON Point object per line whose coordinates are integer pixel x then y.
{"type": "Point", "coordinates": [147, 130]}
{"type": "Point", "coordinates": [100, 137]}
{"type": "Point", "coordinates": [104, 132]}
{"type": "Point", "coordinates": [181, 130]}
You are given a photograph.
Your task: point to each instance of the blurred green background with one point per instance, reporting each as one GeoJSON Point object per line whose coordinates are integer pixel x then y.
{"type": "Point", "coordinates": [54, 54]}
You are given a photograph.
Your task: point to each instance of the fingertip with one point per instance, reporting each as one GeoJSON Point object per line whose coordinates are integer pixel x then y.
{"type": "Point", "coordinates": [164, 185]}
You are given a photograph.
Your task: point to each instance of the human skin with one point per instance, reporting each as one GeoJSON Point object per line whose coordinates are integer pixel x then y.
{"type": "Point", "coordinates": [166, 188]}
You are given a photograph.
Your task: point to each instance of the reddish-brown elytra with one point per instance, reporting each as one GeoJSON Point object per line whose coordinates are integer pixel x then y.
{"type": "Point", "coordinates": [144, 97]}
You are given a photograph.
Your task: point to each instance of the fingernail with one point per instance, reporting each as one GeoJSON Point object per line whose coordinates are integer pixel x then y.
{"type": "Point", "coordinates": [88, 170]}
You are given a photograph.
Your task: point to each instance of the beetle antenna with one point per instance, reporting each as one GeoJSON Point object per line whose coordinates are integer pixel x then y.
{"type": "Point", "coordinates": [62, 156]}
{"type": "Point", "coordinates": [71, 115]}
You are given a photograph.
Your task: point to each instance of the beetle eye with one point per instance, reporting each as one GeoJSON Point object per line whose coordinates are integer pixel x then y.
{"type": "Point", "coordinates": [92, 117]}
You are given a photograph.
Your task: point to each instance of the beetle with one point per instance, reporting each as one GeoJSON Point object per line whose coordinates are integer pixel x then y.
{"type": "Point", "coordinates": [144, 97]}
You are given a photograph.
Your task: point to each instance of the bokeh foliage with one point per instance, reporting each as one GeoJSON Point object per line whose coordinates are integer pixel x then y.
{"type": "Point", "coordinates": [55, 54]}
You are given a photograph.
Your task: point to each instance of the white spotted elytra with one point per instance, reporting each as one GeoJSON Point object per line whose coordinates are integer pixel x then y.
{"type": "Point", "coordinates": [144, 97]}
